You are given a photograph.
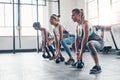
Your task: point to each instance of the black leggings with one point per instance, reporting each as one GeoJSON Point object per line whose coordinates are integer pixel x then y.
{"type": "Point", "coordinates": [49, 48]}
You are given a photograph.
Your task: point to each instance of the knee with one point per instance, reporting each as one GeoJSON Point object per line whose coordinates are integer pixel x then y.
{"type": "Point", "coordinates": [89, 45]}
{"type": "Point", "coordinates": [62, 41]}
{"type": "Point", "coordinates": [91, 48]}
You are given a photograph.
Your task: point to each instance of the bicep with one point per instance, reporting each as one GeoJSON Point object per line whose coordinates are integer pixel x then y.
{"type": "Point", "coordinates": [86, 30]}
{"type": "Point", "coordinates": [61, 31]}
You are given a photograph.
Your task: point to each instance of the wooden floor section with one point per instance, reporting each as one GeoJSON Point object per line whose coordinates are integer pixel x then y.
{"type": "Point", "coordinates": [31, 66]}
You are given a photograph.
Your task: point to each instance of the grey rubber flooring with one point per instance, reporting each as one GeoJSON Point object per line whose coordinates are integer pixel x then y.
{"type": "Point", "coordinates": [31, 66]}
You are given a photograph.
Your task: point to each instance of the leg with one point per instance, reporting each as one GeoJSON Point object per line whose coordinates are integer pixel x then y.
{"type": "Point", "coordinates": [51, 49]}
{"type": "Point", "coordinates": [46, 49]}
{"type": "Point", "coordinates": [71, 60]}
{"type": "Point", "coordinates": [49, 44]}
{"type": "Point", "coordinates": [67, 49]}
{"type": "Point", "coordinates": [94, 47]}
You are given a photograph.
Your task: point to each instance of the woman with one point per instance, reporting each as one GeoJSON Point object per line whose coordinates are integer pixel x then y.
{"type": "Point", "coordinates": [47, 40]}
{"type": "Point", "coordinates": [86, 36]}
{"type": "Point", "coordinates": [60, 38]}
{"type": "Point", "coordinates": [58, 34]}
{"type": "Point", "coordinates": [68, 39]}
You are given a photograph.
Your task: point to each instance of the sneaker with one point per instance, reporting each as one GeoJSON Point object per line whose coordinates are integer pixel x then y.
{"type": "Point", "coordinates": [51, 58]}
{"type": "Point", "coordinates": [62, 59]}
{"type": "Point", "coordinates": [74, 64]}
{"type": "Point", "coordinates": [95, 70]}
{"type": "Point", "coordinates": [70, 62]}
{"type": "Point", "coordinates": [48, 56]}
{"type": "Point", "coordinates": [44, 56]}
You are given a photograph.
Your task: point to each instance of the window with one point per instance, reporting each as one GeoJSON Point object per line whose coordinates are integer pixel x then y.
{"type": "Point", "coordinates": [115, 12]}
{"type": "Point", "coordinates": [93, 12]}
{"type": "Point", "coordinates": [99, 12]}
{"type": "Point", "coordinates": [28, 15]}
{"type": "Point", "coordinates": [104, 12]}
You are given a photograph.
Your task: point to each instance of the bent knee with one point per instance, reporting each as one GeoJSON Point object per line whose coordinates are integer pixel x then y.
{"type": "Point", "coordinates": [91, 48]}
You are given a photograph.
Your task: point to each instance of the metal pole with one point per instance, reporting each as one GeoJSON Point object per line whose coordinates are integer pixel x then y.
{"type": "Point", "coordinates": [37, 30]}
{"type": "Point", "coordinates": [98, 11]}
{"type": "Point", "coordinates": [19, 26]}
{"type": "Point", "coordinates": [113, 40]}
{"type": "Point", "coordinates": [58, 7]}
{"type": "Point", "coordinates": [13, 28]}
{"type": "Point", "coordinates": [45, 2]}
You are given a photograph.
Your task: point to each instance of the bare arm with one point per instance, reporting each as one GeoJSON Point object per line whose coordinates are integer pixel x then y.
{"type": "Point", "coordinates": [61, 32]}
{"type": "Point", "coordinates": [46, 35]}
{"type": "Point", "coordinates": [56, 44]}
{"type": "Point", "coordinates": [77, 42]}
{"type": "Point", "coordinates": [84, 40]}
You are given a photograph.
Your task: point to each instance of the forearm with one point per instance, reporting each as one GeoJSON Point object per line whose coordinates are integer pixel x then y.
{"type": "Point", "coordinates": [83, 44]}
{"type": "Point", "coordinates": [77, 45]}
{"type": "Point", "coordinates": [57, 46]}
{"type": "Point", "coordinates": [43, 45]}
{"type": "Point", "coordinates": [46, 35]}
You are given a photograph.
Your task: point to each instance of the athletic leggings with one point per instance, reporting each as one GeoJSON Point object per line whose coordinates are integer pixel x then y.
{"type": "Point", "coordinates": [94, 46]}
{"type": "Point", "coordinates": [49, 48]}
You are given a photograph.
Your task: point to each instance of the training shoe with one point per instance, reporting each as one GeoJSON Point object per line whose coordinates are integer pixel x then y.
{"type": "Point", "coordinates": [74, 64]}
{"type": "Point", "coordinates": [51, 58]}
{"type": "Point", "coordinates": [95, 70]}
{"type": "Point", "coordinates": [62, 59]}
{"type": "Point", "coordinates": [48, 56]}
{"type": "Point", "coordinates": [70, 62]}
{"type": "Point", "coordinates": [44, 56]}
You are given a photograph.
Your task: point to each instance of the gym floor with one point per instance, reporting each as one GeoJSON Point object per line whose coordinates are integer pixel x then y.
{"type": "Point", "coordinates": [31, 66]}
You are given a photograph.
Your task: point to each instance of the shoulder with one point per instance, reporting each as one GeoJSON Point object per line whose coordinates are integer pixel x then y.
{"type": "Point", "coordinates": [87, 25]}
{"type": "Point", "coordinates": [61, 26]}
{"type": "Point", "coordinates": [45, 30]}
{"type": "Point", "coordinates": [86, 22]}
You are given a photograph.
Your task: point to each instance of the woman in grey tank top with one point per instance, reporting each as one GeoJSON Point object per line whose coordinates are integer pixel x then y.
{"type": "Point", "coordinates": [85, 36]}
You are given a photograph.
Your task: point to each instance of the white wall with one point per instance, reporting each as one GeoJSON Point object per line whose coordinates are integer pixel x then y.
{"type": "Point", "coordinates": [66, 7]}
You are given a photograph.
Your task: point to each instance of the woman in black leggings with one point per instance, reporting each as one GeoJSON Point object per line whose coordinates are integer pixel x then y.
{"type": "Point", "coordinates": [47, 40]}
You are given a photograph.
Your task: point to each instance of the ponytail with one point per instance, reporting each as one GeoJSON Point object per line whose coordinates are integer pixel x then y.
{"type": "Point", "coordinates": [82, 14]}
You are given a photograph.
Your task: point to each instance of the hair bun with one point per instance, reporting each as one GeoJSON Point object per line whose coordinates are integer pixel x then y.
{"type": "Point", "coordinates": [81, 10]}
{"type": "Point", "coordinates": [58, 16]}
